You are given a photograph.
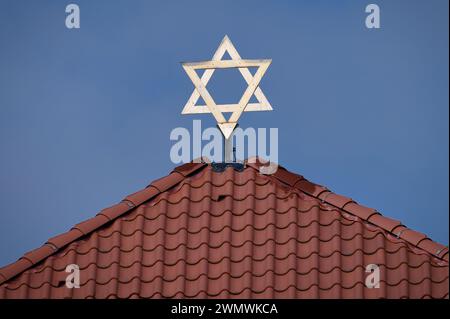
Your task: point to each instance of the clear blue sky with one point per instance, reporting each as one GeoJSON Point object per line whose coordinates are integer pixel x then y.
{"type": "Point", "coordinates": [85, 115]}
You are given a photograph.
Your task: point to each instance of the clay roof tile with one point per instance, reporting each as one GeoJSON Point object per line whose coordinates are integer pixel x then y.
{"type": "Point", "coordinates": [199, 233]}
{"type": "Point", "coordinates": [91, 224]}
{"type": "Point", "coordinates": [62, 240]}
{"type": "Point", "coordinates": [164, 183]}
{"type": "Point", "coordinates": [38, 254]}
{"type": "Point", "coordinates": [143, 195]}
{"type": "Point", "coordinates": [361, 211]}
{"type": "Point", "coordinates": [310, 188]}
{"type": "Point", "coordinates": [384, 222]}
{"type": "Point", "coordinates": [189, 168]}
{"type": "Point", "coordinates": [412, 236]}
{"type": "Point", "coordinates": [337, 200]}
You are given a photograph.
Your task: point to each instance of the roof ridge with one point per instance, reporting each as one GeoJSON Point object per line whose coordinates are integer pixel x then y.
{"type": "Point", "coordinates": [56, 243]}
{"type": "Point", "coordinates": [348, 205]}
{"type": "Point", "coordinates": [179, 173]}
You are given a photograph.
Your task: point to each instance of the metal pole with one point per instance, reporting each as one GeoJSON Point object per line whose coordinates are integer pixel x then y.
{"type": "Point", "coordinates": [228, 149]}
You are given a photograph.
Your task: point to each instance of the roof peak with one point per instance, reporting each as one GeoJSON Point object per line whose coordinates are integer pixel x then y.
{"type": "Point", "coordinates": [347, 205]}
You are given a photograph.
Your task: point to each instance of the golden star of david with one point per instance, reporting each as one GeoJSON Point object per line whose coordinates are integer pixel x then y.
{"type": "Point", "coordinates": [226, 126]}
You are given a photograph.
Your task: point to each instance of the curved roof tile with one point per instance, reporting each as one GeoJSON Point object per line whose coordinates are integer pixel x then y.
{"type": "Point", "coordinates": [199, 233]}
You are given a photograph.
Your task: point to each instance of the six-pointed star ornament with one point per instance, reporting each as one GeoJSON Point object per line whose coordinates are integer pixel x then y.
{"type": "Point", "coordinates": [226, 126]}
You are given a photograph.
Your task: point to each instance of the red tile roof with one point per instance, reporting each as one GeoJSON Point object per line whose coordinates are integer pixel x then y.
{"type": "Point", "coordinates": [199, 233]}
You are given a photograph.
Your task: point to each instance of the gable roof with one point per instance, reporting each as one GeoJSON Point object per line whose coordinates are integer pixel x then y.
{"type": "Point", "coordinates": [200, 233]}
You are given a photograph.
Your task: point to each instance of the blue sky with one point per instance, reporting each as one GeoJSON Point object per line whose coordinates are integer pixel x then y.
{"type": "Point", "coordinates": [85, 115]}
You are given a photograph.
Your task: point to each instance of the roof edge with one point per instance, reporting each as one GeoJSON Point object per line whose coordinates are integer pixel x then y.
{"type": "Point", "coordinates": [348, 205]}
{"type": "Point", "coordinates": [179, 173]}
{"type": "Point", "coordinates": [105, 216]}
